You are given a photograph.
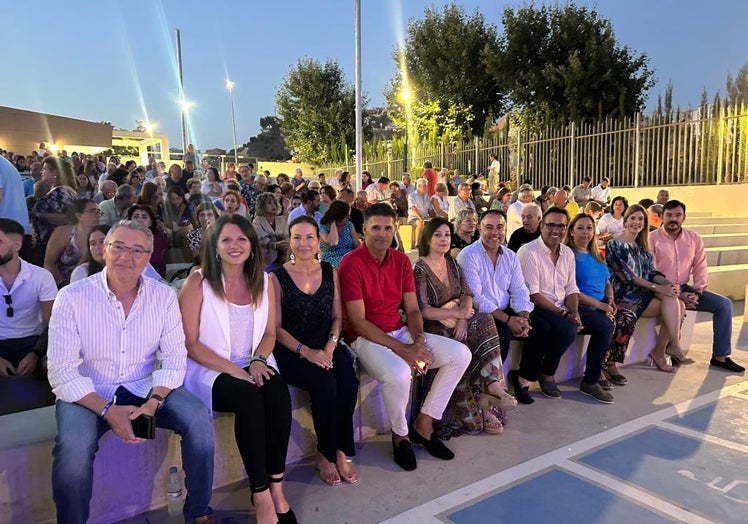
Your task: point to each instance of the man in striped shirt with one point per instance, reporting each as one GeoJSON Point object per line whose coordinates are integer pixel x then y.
{"type": "Point", "coordinates": [107, 334]}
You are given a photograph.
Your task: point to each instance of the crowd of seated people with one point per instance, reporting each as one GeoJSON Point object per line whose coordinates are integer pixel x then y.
{"type": "Point", "coordinates": [266, 309]}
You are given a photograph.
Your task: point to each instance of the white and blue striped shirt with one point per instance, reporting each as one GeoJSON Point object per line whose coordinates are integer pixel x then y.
{"type": "Point", "coordinates": [93, 347]}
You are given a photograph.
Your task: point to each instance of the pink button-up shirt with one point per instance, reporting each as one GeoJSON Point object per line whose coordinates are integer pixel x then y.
{"type": "Point", "coordinates": [681, 258]}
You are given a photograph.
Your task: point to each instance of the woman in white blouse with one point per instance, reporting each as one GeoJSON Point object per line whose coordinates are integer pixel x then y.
{"type": "Point", "coordinates": [229, 324]}
{"type": "Point", "coordinates": [610, 224]}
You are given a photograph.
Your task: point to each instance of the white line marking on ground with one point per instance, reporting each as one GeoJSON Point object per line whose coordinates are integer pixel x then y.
{"type": "Point", "coordinates": [428, 512]}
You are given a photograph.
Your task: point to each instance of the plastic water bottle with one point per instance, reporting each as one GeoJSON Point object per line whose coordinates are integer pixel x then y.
{"type": "Point", "coordinates": [174, 492]}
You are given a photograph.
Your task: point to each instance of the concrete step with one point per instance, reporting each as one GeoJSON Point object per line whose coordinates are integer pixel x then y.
{"type": "Point", "coordinates": [726, 239]}
{"type": "Point", "coordinates": [726, 256]}
{"type": "Point", "coordinates": [692, 221]}
{"type": "Point", "coordinates": [711, 229]}
{"type": "Point", "coordinates": [729, 280]}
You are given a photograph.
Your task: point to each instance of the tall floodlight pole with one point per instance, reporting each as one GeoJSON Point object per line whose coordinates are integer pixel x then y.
{"type": "Point", "coordinates": [359, 149]}
{"type": "Point", "coordinates": [230, 86]}
{"type": "Point", "coordinates": [406, 99]}
{"type": "Point", "coordinates": [182, 108]}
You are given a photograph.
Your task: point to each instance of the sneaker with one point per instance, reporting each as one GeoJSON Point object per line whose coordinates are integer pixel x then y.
{"type": "Point", "coordinates": [594, 390]}
{"type": "Point", "coordinates": [548, 387]}
{"type": "Point", "coordinates": [727, 365]}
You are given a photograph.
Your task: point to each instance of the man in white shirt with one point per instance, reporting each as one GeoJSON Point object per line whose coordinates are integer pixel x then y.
{"type": "Point", "coordinates": [461, 201]}
{"type": "Point", "coordinates": [115, 209]}
{"type": "Point", "coordinates": [406, 186]}
{"type": "Point", "coordinates": [495, 279]}
{"type": "Point", "coordinates": [419, 208]}
{"type": "Point", "coordinates": [376, 192]}
{"type": "Point", "coordinates": [549, 270]}
{"type": "Point", "coordinates": [601, 192]}
{"type": "Point", "coordinates": [28, 293]}
{"type": "Point", "coordinates": [310, 200]}
{"type": "Point", "coordinates": [116, 353]}
{"type": "Point", "coordinates": [514, 213]}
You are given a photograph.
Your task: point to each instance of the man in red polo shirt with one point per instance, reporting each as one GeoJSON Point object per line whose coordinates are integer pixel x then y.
{"type": "Point", "coordinates": [430, 175]}
{"type": "Point", "coordinates": [376, 281]}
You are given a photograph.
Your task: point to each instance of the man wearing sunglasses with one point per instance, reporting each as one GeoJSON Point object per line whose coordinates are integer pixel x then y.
{"type": "Point", "coordinates": [28, 292]}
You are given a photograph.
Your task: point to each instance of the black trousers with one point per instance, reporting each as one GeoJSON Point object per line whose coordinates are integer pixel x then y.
{"type": "Point", "coordinates": [333, 394]}
{"type": "Point", "coordinates": [262, 425]}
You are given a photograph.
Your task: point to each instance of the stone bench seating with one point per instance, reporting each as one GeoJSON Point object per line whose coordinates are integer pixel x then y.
{"type": "Point", "coordinates": [710, 229]}
{"type": "Point", "coordinates": [726, 256]}
{"type": "Point", "coordinates": [132, 479]}
{"type": "Point", "coordinates": [725, 239]}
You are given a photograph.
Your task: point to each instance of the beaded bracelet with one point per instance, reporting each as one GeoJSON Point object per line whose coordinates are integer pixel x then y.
{"type": "Point", "coordinates": [298, 349]}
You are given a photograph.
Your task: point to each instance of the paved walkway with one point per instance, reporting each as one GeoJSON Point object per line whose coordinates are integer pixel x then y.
{"type": "Point", "coordinates": [673, 448]}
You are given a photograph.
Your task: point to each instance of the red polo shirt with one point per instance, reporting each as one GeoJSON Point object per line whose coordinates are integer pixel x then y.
{"type": "Point", "coordinates": [431, 176]}
{"type": "Point", "coordinates": [379, 285]}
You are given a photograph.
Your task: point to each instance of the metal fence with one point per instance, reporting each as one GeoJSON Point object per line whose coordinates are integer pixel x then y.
{"type": "Point", "coordinates": [707, 146]}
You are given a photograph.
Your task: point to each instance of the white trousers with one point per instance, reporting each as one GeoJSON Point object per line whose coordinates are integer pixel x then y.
{"type": "Point", "coordinates": [449, 356]}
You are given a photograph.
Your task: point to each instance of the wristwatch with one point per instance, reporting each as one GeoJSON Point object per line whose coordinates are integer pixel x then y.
{"type": "Point", "coordinates": [334, 338]}
{"type": "Point", "coordinates": [159, 399]}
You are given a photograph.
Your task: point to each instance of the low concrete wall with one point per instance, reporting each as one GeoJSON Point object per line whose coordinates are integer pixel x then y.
{"type": "Point", "coordinates": [721, 200]}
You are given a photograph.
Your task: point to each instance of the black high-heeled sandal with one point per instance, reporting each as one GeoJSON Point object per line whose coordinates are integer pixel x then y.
{"type": "Point", "coordinates": [289, 517]}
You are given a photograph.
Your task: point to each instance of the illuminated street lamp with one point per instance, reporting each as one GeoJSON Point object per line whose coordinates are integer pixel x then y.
{"type": "Point", "coordinates": [184, 106]}
{"type": "Point", "coordinates": [406, 97]}
{"type": "Point", "coordinates": [230, 86]}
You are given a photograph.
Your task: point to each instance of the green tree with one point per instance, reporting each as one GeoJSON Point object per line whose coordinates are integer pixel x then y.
{"type": "Point", "coordinates": [444, 60]}
{"type": "Point", "coordinates": [737, 88]}
{"type": "Point", "coordinates": [316, 110]}
{"type": "Point", "coordinates": [562, 63]}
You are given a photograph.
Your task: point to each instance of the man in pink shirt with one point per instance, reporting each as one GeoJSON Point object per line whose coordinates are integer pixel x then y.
{"type": "Point", "coordinates": [679, 253]}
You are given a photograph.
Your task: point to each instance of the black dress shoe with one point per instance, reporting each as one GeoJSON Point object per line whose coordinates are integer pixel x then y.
{"type": "Point", "coordinates": [728, 365]}
{"type": "Point", "coordinates": [433, 445]}
{"type": "Point", "coordinates": [521, 393]}
{"type": "Point", "coordinates": [289, 517]}
{"type": "Point", "coordinates": [404, 456]}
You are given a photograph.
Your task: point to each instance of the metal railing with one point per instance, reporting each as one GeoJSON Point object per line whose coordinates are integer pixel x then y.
{"type": "Point", "coordinates": [707, 146]}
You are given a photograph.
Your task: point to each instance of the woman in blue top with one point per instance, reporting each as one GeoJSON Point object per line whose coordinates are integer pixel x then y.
{"type": "Point", "coordinates": [596, 305]}
{"type": "Point", "coordinates": [337, 233]}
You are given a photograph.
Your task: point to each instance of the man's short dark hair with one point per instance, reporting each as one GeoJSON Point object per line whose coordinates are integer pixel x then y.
{"type": "Point", "coordinates": [11, 227]}
{"type": "Point", "coordinates": [492, 212]}
{"type": "Point", "coordinates": [383, 180]}
{"type": "Point", "coordinates": [646, 202]}
{"type": "Point", "coordinates": [672, 204]}
{"type": "Point", "coordinates": [380, 209]}
{"type": "Point", "coordinates": [309, 195]}
{"type": "Point", "coordinates": [557, 210]}
{"type": "Point", "coordinates": [427, 165]}
{"type": "Point", "coordinates": [586, 179]}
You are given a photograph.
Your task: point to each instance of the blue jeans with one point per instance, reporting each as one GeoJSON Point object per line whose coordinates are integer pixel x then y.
{"type": "Point", "coordinates": [721, 309]}
{"type": "Point", "coordinates": [79, 430]}
{"type": "Point", "coordinates": [600, 328]}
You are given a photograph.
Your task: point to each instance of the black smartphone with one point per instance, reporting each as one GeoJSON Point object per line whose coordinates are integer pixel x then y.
{"type": "Point", "coordinates": [144, 427]}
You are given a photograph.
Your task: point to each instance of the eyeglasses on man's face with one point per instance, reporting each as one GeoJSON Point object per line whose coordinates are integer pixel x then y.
{"type": "Point", "coordinates": [552, 225]}
{"type": "Point", "coordinates": [121, 249]}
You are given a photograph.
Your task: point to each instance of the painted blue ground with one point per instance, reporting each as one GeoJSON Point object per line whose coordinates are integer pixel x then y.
{"type": "Point", "coordinates": [727, 419]}
{"type": "Point", "coordinates": [705, 478]}
{"type": "Point", "coordinates": [558, 497]}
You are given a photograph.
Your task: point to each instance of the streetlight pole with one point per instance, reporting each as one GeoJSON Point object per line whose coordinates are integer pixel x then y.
{"type": "Point", "coordinates": [230, 86]}
{"type": "Point", "coordinates": [406, 98]}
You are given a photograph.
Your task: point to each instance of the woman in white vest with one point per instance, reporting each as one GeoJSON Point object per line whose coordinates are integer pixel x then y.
{"type": "Point", "coordinates": [229, 324]}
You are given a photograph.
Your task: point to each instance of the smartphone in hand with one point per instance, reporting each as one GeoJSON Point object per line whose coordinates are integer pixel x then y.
{"type": "Point", "coordinates": [144, 427]}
